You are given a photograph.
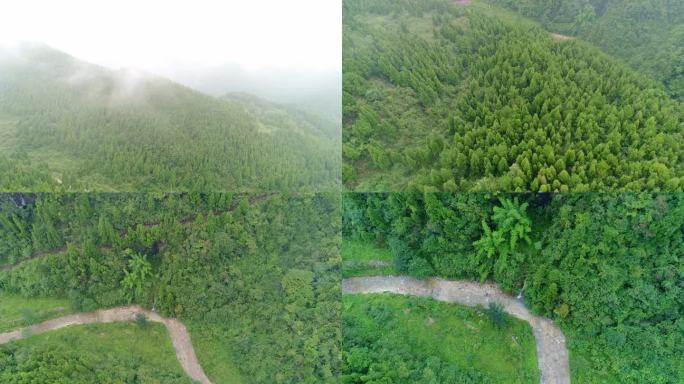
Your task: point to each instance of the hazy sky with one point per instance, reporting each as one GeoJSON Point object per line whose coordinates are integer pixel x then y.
{"type": "Point", "coordinates": [149, 34]}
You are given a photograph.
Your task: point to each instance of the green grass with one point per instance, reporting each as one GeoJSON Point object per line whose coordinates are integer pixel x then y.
{"type": "Point", "coordinates": [18, 312]}
{"type": "Point", "coordinates": [419, 330]}
{"type": "Point", "coordinates": [107, 353]}
{"type": "Point", "coordinates": [214, 355]}
{"type": "Point", "coordinates": [358, 258]}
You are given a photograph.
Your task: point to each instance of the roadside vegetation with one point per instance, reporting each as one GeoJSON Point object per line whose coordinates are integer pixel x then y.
{"type": "Point", "coordinates": [96, 353]}
{"type": "Point", "coordinates": [397, 339]}
{"type": "Point", "coordinates": [254, 277]}
{"type": "Point", "coordinates": [19, 312]}
{"type": "Point", "coordinates": [605, 267]}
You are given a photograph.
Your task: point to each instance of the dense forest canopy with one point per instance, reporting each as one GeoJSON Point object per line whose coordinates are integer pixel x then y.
{"type": "Point", "coordinates": [440, 97]}
{"type": "Point", "coordinates": [70, 125]}
{"type": "Point", "coordinates": [606, 267]}
{"type": "Point", "coordinates": [255, 278]}
{"type": "Point", "coordinates": [647, 34]}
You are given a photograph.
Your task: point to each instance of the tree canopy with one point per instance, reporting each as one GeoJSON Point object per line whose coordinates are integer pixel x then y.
{"type": "Point", "coordinates": [445, 98]}
{"type": "Point", "coordinates": [255, 277]}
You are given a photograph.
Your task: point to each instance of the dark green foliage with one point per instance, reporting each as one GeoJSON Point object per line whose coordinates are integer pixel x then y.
{"type": "Point", "coordinates": [141, 320]}
{"type": "Point", "coordinates": [438, 228]}
{"type": "Point", "coordinates": [29, 316]}
{"type": "Point", "coordinates": [445, 98]}
{"type": "Point", "coordinates": [497, 315]}
{"type": "Point", "coordinates": [69, 125]}
{"type": "Point", "coordinates": [254, 276]}
{"type": "Point", "coordinates": [608, 267]}
{"type": "Point", "coordinates": [647, 34]}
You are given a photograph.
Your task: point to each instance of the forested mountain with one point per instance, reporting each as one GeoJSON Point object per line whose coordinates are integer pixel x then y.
{"type": "Point", "coordinates": [70, 125]}
{"type": "Point", "coordinates": [607, 267]}
{"type": "Point", "coordinates": [442, 97]}
{"type": "Point", "coordinates": [255, 278]}
{"type": "Point", "coordinates": [647, 34]}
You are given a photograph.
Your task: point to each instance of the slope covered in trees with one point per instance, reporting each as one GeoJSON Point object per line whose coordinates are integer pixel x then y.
{"type": "Point", "coordinates": [647, 34]}
{"type": "Point", "coordinates": [439, 97]}
{"type": "Point", "coordinates": [70, 125]}
{"type": "Point", "coordinates": [606, 267]}
{"type": "Point", "coordinates": [255, 278]}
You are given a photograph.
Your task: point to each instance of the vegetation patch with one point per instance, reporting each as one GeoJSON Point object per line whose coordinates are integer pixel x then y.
{"type": "Point", "coordinates": [417, 340]}
{"type": "Point", "coordinates": [605, 267]}
{"type": "Point", "coordinates": [19, 312]}
{"type": "Point", "coordinates": [94, 353]}
{"type": "Point", "coordinates": [365, 259]}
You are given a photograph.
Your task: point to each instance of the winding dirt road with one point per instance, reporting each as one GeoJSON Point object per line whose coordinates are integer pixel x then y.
{"type": "Point", "coordinates": [552, 354]}
{"type": "Point", "coordinates": [179, 334]}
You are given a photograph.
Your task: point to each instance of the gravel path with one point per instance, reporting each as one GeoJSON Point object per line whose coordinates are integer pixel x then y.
{"type": "Point", "coordinates": [552, 354]}
{"type": "Point", "coordinates": [179, 334]}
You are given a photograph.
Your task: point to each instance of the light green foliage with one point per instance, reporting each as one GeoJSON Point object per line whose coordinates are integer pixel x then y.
{"type": "Point", "coordinates": [136, 277]}
{"type": "Point", "coordinates": [498, 250]}
{"type": "Point", "coordinates": [18, 312]}
{"type": "Point", "coordinates": [97, 353]}
{"type": "Point", "coordinates": [397, 339]}
{"type": "Point", "coordinates": [360, 258]}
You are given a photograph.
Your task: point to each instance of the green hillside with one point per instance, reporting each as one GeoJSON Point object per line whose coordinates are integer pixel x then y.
{"type": "Point", "coordinates": [443, 97]}
{"type": "Point", "coordinates": [70, 125]}
{"type": "Point", "coordinates": [647, 34]}
{"type": "Point", "coordinates": [255, 278]}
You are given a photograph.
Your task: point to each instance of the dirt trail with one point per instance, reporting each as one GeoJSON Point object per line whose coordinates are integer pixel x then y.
{"type": "Point", "coordinates": [179, 334]}
{"type": "Point", "coordinates": [552, 354]}
{"type": "Point", "coordinates": [559, 37]}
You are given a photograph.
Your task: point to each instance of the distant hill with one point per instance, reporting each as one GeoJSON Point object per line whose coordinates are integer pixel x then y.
{"type": "Point", "coordinates": [647, 34]}
{"type": "Point", "coordinates": [315, 91]}
{"type": "Point", "coordinates": [68, 124]}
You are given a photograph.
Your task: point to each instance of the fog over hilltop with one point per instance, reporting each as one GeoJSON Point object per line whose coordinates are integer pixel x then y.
{"type": "Point", "coordinates": [272, 49]}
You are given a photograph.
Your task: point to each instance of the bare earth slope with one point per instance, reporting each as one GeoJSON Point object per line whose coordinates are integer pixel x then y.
{"type": "Point", "coordinates": [552, 354]}
{"type": "Point", "coordinates": [179, 334]}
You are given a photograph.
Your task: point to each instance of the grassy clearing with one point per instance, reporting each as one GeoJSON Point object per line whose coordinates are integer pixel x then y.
{"type": "Point", "coordinates": [214, 355]}
{"type": "Point", "coordinates": [420, 334]}
{"type": "Point", "coordinates": [18, 312]}
{"type": "Point", "coordinates": [106, 353]}
{"type": "Point", "coordinates": [361, 258]}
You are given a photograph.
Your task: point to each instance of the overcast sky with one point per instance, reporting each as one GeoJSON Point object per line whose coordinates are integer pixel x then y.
{"type": "Point", "coordinates": [150, 34]}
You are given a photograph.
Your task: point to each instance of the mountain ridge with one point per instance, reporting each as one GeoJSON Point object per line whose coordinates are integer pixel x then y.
{"type": "Point", "coordinates": [94, 126]}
